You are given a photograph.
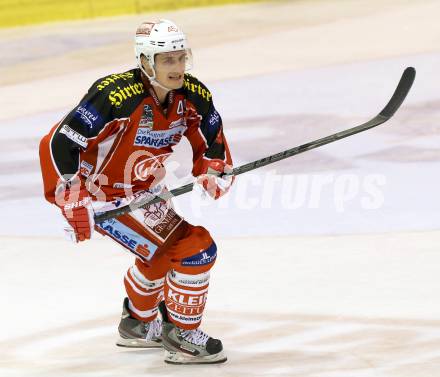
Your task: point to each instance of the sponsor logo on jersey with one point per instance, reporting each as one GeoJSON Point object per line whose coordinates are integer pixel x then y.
{"type": "Point", "coordinates": [169, 224]}
{"type": "Point", "coordinates": [214, 119]}
{"type": "Point", "coordinates": [155, 213]}
{"type": "Point", "coordinates": [199, 282]}
{"type": "Point", "coordinates": [147, 117]}
{"type": "Point", "coordinates": [129, 238]}
{"type": "Point", "coordinates": [82, 203]}
{"type": "Point", "coordinates": [120, 185]}
{"type": "Point", "coordinates": [148, 167]}
{"type": "Point", "coordinates": [197, 88]}
{"type": "Point", "coordinates": [121, 94]}
{"type": "Point", "coordinates": [183, 318]}
{"type": "Point", "coordinates": [143, 250]}
{"type": "Point", "coordinates": [140, 195]}
{"type": "Point", "coordinates": [74, 136]}
{"type": "Point", "coordinates": [158, 139]}
{"type": "Point", "coordinates": [85, 168]}
{"type": "Point", "coordinates": [178, 123]}
{"type": "Point", "coordinates": [187, 303]}
{"type": "Point", "coordinates": [88, 115]}
{"type": "Point", "coordinates": [117, 202]}
{"type": "Point", "coordinates": [113, 78]}
{"type": "Point", "coordinates": [202, 258]}
{"type": "Point", "coordinates": [187, 299]}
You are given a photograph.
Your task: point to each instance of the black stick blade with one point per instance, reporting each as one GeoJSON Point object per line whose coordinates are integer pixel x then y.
{"type": "Point", "coordinates": [403, 88]}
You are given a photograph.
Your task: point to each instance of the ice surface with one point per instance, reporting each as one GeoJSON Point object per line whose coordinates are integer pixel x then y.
{"type": "Point", "coordinates": [328, 262]}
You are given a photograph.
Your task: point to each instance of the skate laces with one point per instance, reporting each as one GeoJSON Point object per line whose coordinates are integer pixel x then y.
{"type": "Point", "coordinates": [154, 329]}
{"type": "Point", "coordinates": [197, 337]}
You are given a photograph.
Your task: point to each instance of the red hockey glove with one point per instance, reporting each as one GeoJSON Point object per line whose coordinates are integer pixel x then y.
{"type": "Point", "coordinates": [212, 181]}
{"type": "Point", "coordinates": [78, 211]}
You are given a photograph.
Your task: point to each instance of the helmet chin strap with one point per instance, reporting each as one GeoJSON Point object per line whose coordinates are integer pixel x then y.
{"type": "Point", "coordinates": [153, 80]}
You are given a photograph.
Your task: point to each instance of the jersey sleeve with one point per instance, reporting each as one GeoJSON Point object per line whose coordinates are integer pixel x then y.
{"type": "Point", "coordinates": [60, 149]}
{"type": "Point", "coordinates": [205, 129]}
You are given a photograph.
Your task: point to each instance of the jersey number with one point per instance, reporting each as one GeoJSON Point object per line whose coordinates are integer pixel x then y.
{"type": "Point", "coordinates": [180, 109]}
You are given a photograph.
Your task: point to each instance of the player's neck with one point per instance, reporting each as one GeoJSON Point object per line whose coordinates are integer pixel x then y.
{"type": "Point", "coordinates": [161, 93]}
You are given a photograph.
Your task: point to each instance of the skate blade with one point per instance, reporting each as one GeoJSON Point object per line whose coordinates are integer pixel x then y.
{"type": "Point", "coordinates": [179, 358]}
{"type": "Point", "coordinates": [138, 343]}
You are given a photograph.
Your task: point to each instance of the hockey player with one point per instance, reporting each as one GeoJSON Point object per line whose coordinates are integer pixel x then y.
{"type": "Point", "coordinates": [109, 151]}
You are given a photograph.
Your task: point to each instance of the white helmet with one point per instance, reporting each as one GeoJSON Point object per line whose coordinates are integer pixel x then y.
{"type": "Point", "coordinates": [156, 37]}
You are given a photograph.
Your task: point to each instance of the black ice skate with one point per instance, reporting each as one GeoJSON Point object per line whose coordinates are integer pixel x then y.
{"type": "Point", "coordinates": [137, 334]}
{"type": "Point", "coordinates": [189, 346]}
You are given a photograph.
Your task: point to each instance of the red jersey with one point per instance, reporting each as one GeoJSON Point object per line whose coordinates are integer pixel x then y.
{"type": "Point", "coordinates": [119, 135]}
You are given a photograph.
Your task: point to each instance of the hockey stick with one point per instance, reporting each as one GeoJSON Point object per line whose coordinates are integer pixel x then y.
{"type": "Point", "coordinates": [388, 111]}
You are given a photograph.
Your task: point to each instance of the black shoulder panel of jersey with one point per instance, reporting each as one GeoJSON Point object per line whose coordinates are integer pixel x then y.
{"type": "Point", "coordinates": [110, 97]}
{"type": "Point", "coordinates": [116, 96]}
{"type": "Point", "coordinates": [211, 124]}
{"type": "Point", "coordinates": [196, 92]}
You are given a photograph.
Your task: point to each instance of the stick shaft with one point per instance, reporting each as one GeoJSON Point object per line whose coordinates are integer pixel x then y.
{"type": "Point", "coordinates": [388, 111]}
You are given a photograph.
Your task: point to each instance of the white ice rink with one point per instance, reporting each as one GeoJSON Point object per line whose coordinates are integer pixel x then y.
{"type": "Point", "coordinates": [328, 262]}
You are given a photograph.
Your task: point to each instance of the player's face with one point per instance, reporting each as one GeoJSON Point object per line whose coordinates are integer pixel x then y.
{"type": "Point", "coordinates": [170, 67]}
